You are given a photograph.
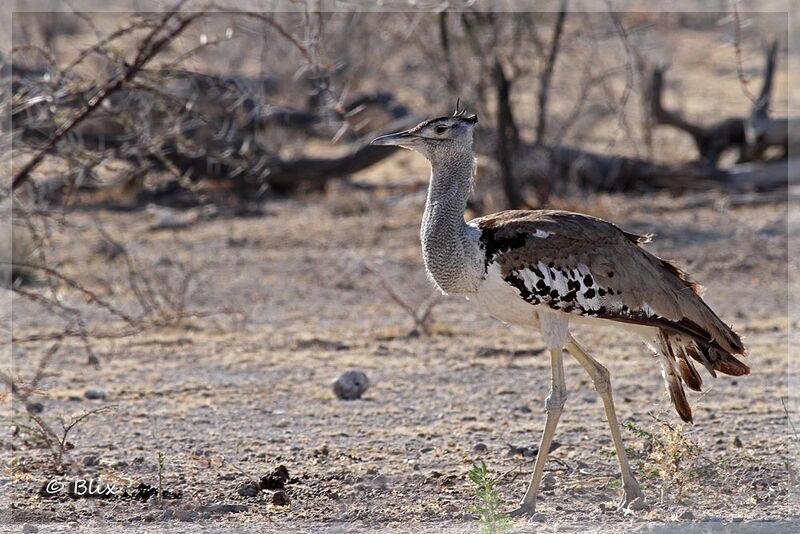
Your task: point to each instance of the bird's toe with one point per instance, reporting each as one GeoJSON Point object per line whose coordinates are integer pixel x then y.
{"type": "Point", "coordinates": [527, 511]}
{"type": "Point", "coordinates": [633, 501]}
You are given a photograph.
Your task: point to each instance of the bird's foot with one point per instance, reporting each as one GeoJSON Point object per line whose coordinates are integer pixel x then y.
{"type": "Point", "coordinates": [526, 510]}
{"type": "Point", "coordinates": [632, 498]}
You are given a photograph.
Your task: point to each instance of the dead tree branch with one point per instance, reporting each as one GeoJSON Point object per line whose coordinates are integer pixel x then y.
{"type": "Point", "coordinates": [547, 72]}
{"type": "Point", "coordinates": [507, 137]}
{"type": "Point", "coordinates": [761, 130]}
{"type": "Point", "coordinates": [147, 50]}
{"type": "Point", "coordinates": [712, 140]}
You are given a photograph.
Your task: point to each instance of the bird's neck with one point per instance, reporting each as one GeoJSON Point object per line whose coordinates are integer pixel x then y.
{"type": "Point", "coordinates": [449, 246]}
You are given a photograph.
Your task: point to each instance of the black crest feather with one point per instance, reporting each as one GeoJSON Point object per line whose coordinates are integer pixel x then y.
{"type": "Point", "coordinates": [461, 113]}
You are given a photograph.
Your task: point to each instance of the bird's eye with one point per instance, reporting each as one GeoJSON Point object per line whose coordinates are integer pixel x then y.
{"type": "Point", "coordinates": [440, 129]}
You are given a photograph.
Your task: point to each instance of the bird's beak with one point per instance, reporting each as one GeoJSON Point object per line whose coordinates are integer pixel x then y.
{"type": "Point", "coordinates": [395, 139]}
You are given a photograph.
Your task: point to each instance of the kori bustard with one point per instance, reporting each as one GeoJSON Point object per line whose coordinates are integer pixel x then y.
{"type": "Point", "coordinates": [547, 269]}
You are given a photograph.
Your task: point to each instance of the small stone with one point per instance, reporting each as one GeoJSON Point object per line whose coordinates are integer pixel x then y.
{"type": "Point", "coordinates": [548, 482]}
{"type": "Point", "coordinates": [538, 517]}
{"type": "Point", "coordinates": [29, 529]}
{"type": "Point", "coordinates": [186, 515]}
{"type": "Point", "coordinates": [480, 448]}
{"type": "Point", "coordinates": [737, 442]}
{"type": "Point", "coordinates": [35, 408]}
{"type": "Point", "coordinates": [350, 385]}
{"type": "Point", "coordinates": [687, 515]}
{"type": "Point", "coordinates": [224, 508]}
{"type": "Point", "coordinates": [94, 394]}
{"type": "Point", "coordinates": [424, 450]}
{"type": "Point", "coordinates": [451, 508]}
{"type": "Point", "coordinates": [322, 451]}
{"type": "Point", "coordinates": [249, 489]}
{"type": "Point", "coordinates": [280, 498]}
{"type": "Point", "coordinates": [91, 459]}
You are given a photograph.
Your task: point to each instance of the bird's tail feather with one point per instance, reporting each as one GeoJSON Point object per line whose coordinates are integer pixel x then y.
{"type": "Point", "coordinates": [676, 353]}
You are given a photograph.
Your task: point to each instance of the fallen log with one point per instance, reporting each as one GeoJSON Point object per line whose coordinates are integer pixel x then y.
{"type": "Point", "coordinates": [564, 166]}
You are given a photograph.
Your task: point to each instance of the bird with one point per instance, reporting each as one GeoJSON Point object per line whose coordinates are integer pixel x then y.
{"type": "Point", "coordinates": [549, 269]}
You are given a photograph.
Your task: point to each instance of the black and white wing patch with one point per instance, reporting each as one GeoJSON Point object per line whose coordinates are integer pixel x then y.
{"type": "Point", "coordinates": [568, 289]}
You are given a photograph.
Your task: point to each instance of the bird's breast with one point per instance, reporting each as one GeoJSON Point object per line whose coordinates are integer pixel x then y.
{"type": "Point", "coordinates": [501, 300]}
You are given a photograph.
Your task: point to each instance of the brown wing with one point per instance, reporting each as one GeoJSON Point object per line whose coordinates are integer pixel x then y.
{"type": "Point", "coordinates": [624, 282]}
{"type": "Point", "coordinates": [584, 265]}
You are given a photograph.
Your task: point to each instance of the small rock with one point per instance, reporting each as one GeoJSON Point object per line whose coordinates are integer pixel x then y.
{"type": "Point", "coordinates": [350, 385]}
{"type": "Point", "coordinates": [29, 529]}
{"type": "Point", "coordinates": [280, 498]}
{"type": "Point", "coordinates": [451, 508]}
{"type": "Point", "coordinates": [322, 451]}
{"type": "Point", "coordinates": [181, 514]}
{"type": "Point", "coordinates": [538, 517]}
{"type": "Point", "coordinates": [480, 448]}
{"type": "Point", "coordinates": [524, 451]}
{"type": "Point", "coordinates": [548, 482]}
{"type": "Point", "coordinates": [737, 442]}
{"type": "Point", "coordinates": [91, 459]}
{"type": "Point", "coordinates": [687, 515]}
{"type": "Point", "coordinates": [276, 480]}
{"type": "Point", "coordinates": [249, 489]}
{"type": "Point", "coordinates": [35, 408]}
{"type": "Point", "coordinates": [94, 394]}
{"type": "Point", "coordinates": [186, 515]}
{"type": "Point", "coordinates": [424, 450]}
{"type": "Point", "coordinates": [224, 508]}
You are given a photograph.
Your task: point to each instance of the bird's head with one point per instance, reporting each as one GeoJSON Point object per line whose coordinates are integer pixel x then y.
{"type": "Point", "coordinates": [442, 135]}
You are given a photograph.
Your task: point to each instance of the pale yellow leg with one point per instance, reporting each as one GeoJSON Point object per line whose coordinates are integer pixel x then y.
{"type": "Point", "coordinates": [633, 496]}
{"type": "Point", "coordinates": [554, 405]}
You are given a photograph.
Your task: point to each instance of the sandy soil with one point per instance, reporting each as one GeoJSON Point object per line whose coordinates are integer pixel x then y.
{"type": "Point", "coordinates": [226, 405]}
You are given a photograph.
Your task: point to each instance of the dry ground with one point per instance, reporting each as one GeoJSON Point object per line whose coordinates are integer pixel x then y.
{"type": "Point", "coordinates": [226, 405]}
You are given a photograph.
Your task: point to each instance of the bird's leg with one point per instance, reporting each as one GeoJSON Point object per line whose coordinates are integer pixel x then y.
{"type": "Point", "coordinates": [553, 406]}
{"type": "Point", "coordinates": [633, 495]}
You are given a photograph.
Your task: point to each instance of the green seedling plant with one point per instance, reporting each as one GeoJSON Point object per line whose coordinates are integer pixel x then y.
{"type": "Point", "coordinates": [492, 520]}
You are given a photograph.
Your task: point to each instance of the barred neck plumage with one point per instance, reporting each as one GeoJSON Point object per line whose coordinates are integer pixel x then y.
{"type": "Point", "coordinates": [450, 247]}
